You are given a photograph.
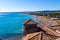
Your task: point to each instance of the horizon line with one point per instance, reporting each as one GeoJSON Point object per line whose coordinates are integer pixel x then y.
{"type": "Point", "coordinates": [30, 11]}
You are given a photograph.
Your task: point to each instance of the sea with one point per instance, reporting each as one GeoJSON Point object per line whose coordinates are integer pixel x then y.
{"type": "Point", "coordinates": [11, 24]}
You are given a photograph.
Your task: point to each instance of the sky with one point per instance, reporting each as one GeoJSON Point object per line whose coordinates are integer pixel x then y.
{"type": "Point", "coordinates": [28, 5]}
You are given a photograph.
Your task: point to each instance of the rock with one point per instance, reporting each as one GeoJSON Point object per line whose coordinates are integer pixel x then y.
{"type": "Point", "coordinates": [58, 39]}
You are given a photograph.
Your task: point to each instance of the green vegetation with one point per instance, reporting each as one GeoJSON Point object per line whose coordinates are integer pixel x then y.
{"type": "Point", "coordinates": [51, 14]}
{"type": "Point", "coordinates": [38, 14]}
{"type": "Point", "coordinates": [54, 14]}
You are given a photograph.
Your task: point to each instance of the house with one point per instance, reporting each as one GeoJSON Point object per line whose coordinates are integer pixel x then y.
{"type": "Point", "coordinates": [54, 18]}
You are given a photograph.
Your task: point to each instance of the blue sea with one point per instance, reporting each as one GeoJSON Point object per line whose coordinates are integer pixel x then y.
{"type": "Point", "coordinates": [12, 22]}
